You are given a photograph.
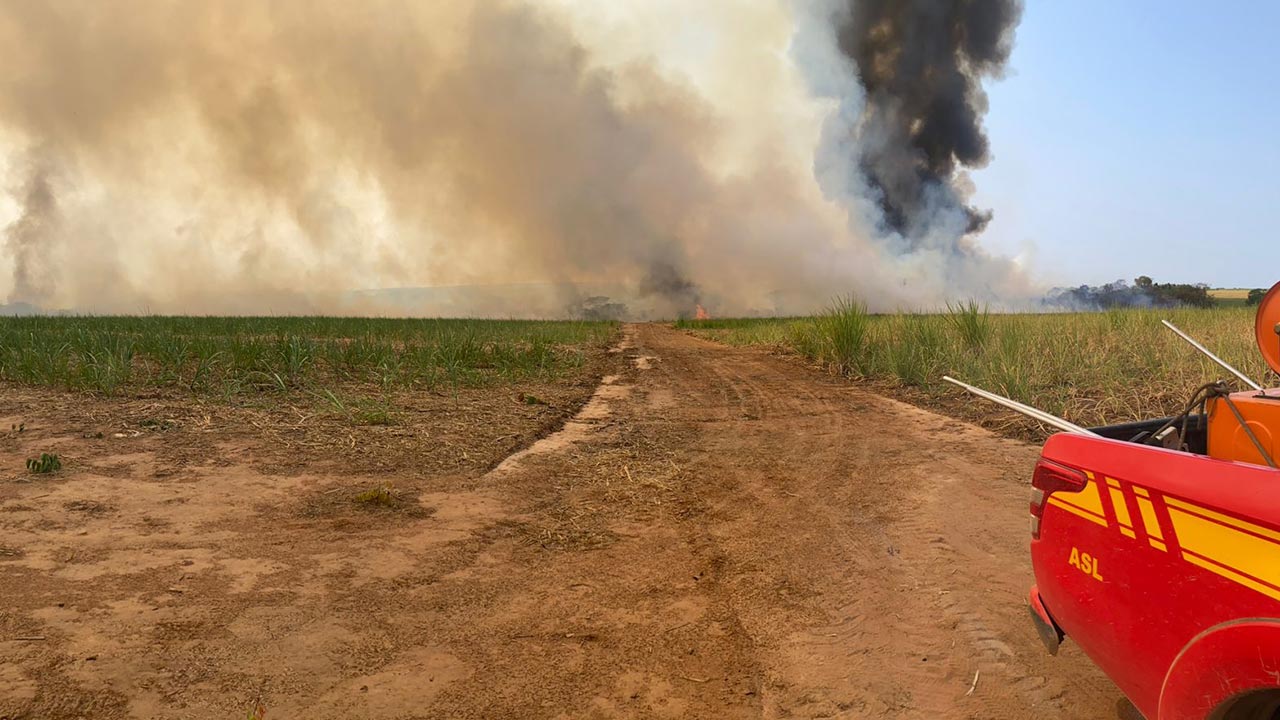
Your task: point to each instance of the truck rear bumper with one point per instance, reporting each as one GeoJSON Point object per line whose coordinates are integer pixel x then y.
{"type": "Point", "coordinates": [1050, 634]}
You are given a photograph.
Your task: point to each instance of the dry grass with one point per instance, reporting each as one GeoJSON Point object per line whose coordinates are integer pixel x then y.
{"type": "Point", "coordinates": [1091, 368]}
{"type": "Point", "coordinates": [381, 495]}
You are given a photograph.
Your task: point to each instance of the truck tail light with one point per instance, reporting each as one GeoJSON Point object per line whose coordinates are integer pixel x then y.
{"type": "Point", "coordinates": [1050, 477]}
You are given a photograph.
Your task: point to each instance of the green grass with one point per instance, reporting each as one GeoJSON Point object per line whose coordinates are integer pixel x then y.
{"type": "Point", "coordinates": [231, 356]}
{"type": "Point", "coordinates": [46, 463]}
{"type": "Point", "coordinates": [1092, 368]}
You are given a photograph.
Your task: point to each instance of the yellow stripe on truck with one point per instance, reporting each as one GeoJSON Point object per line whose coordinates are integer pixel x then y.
{"type": "Point", "coordinates": [1088, 498]}
{"type": "Point", "coordinates": [1122, 509]}
{"type": "Point", "coordinates": [1054, 501]}
{"type": "Point", "coordinates": [1149, 521]}
{"type": "Point", "coordinates": [1227, 519]}
{"type": "Point", "coordinates": [1235, 551]}
{"type": "Point", "coordinates": [1232, 575]}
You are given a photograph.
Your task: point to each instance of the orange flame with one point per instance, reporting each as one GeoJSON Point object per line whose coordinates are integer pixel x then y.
{"type": "Point", "coordinates": [701, 313]}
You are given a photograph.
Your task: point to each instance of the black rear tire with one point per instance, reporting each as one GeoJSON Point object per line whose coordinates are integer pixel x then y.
{"type": "Point", "coordinates": [1260, 705]}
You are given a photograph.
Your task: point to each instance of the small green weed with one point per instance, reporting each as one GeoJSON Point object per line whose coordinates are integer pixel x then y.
{"type": "Point", "coordinates": [373, 411]}
{"type": "Point", "coordinates": [374, 414]}
{"type": "Point", "coordinates": [46, 463]}
{"type": "Point", "coordinates": [360, 411]}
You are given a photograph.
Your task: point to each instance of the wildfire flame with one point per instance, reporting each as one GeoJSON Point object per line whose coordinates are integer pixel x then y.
{"type": "Point", "coordinates": [701, 313]}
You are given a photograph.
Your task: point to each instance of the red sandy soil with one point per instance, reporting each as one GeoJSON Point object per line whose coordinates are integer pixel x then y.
{"type": "Point", "coordinates": [718, 533]}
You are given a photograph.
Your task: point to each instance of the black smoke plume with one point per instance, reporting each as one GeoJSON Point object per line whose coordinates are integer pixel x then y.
{"type": "Point", "coordinates": [921, 63]}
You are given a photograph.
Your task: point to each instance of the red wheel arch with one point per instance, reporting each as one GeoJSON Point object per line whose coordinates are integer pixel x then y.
{"type": "Point", "coordinates": [1220, 663]}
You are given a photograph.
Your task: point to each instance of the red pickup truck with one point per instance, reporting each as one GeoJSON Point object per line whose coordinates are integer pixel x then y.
{"type": "Point", "coordinates": [1156, 548]}
{"type": "Point", "coordinates": [1164, 567]}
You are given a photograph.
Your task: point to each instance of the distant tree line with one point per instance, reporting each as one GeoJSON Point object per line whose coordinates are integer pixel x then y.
{"type": "Point", "coordinates": [1144, 292]}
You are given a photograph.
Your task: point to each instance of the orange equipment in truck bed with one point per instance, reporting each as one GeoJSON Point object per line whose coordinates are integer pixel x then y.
{"type": "Point", "coordinates": [1259, 409]}
{"type": "Point", "coordinates": [1227, 437]}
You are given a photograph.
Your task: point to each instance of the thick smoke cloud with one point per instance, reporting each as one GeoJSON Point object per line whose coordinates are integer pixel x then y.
{"type": "Point", "coordinates": [32, 232]}
{"type": "Point", "coordinates": [255, 157]}
{"type": "Point", "coordinates": [921, 64]}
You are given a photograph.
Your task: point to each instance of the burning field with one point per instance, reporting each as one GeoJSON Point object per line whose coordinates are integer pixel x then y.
{"type": "Point", "coordinates": [210, 514]}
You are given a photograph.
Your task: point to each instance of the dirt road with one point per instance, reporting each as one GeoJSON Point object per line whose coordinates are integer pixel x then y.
{"type": "Point", "coordinates": [719, 533]}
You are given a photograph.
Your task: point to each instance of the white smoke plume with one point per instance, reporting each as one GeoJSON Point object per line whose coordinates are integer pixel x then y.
{"type": "Point", "coordinates": [243, 156]}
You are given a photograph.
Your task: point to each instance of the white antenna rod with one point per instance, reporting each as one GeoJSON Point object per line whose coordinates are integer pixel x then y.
{"type": "Point", "coordinates": [1213, 357]}
{"type": "Point", "coordinates": [1027, 410]}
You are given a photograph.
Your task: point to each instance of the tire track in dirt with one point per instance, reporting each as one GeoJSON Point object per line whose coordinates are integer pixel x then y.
{"type": "Point", "coordinates": [839, 514]}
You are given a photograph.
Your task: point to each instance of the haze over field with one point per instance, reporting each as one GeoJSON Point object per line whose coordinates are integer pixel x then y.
{"type": "Point", "coordinates": [245, 157]}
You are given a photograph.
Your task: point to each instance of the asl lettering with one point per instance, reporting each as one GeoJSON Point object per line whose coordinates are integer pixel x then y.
{"type": "Point", "coordinates": [1085, 563]}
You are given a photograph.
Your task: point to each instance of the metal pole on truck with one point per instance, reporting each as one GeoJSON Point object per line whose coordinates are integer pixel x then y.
{"type": "Point", "coordinates": [1213, 357]}
{"type": "Point", "coordinates": [1033, 413]}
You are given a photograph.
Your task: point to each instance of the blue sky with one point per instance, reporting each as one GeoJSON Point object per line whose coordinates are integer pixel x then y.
{"type": "Point", "coordinates": [1139, 138]}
